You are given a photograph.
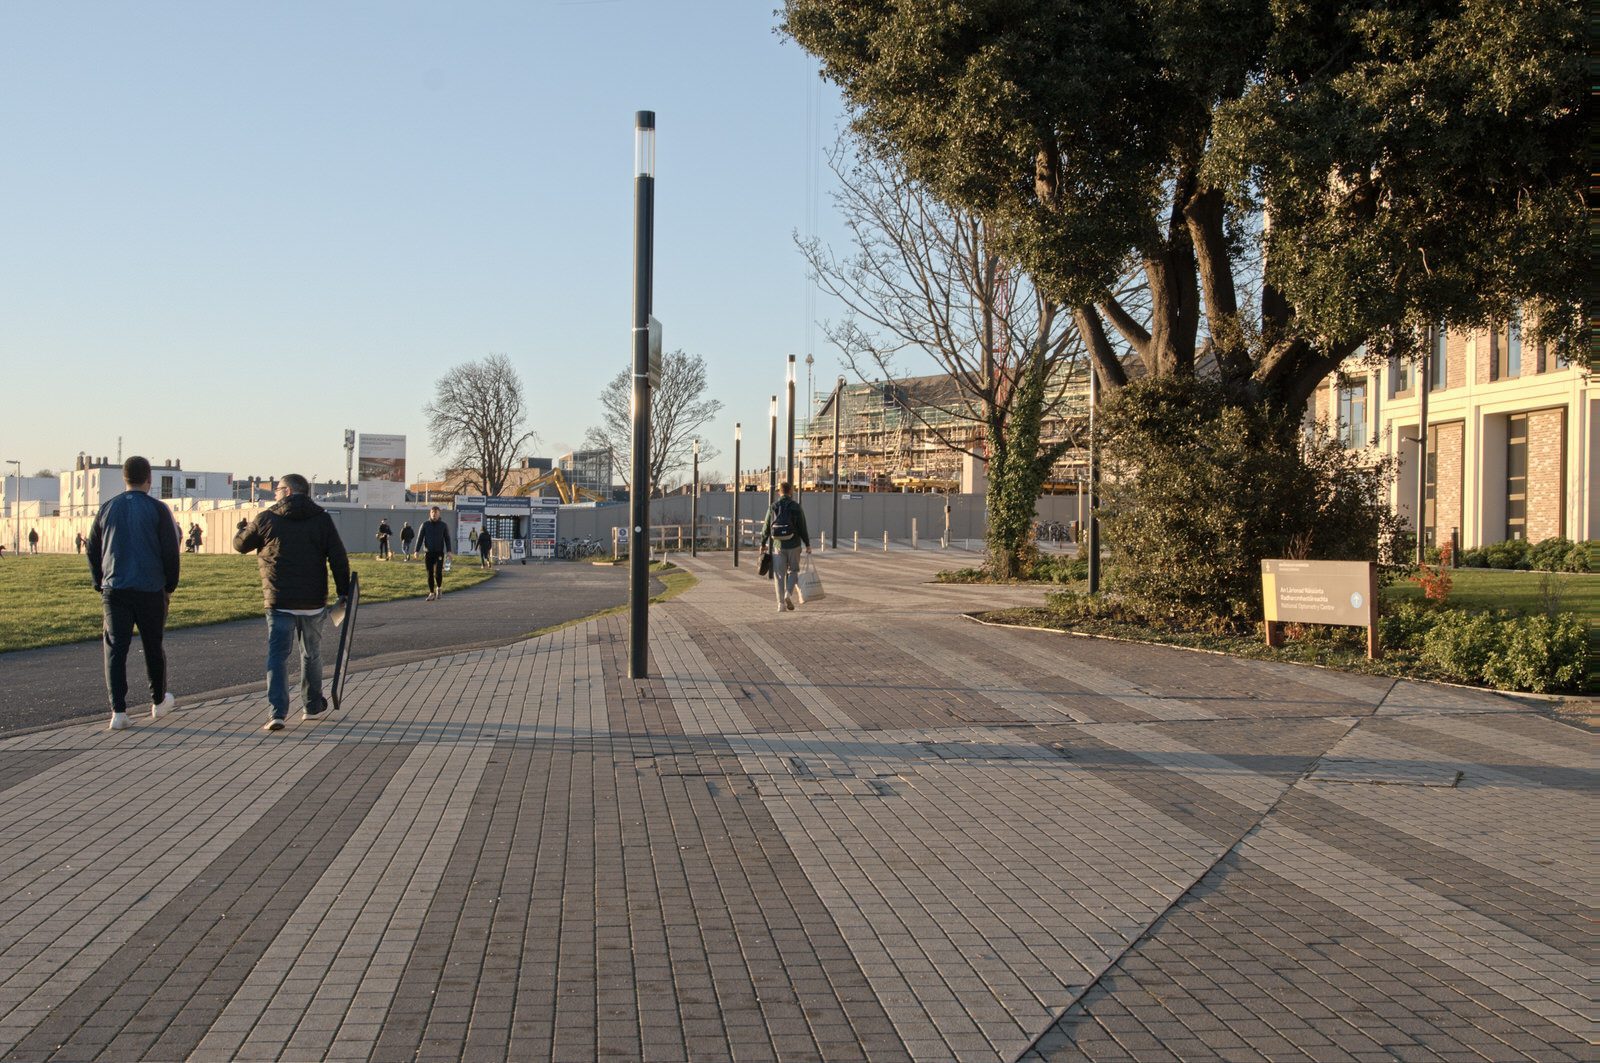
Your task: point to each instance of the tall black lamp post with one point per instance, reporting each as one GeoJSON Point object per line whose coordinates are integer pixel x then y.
{"type": "Point", "coordinates": [694, 506]}
{"type": "Point", "coordinates": [838, 401]}
{"type": "Point", "coordinates": [644, 193]}
{"type": "Point", "coordinates": [772, 459]}
{"type": "Point", "coordinates": [738, 489]}
{"type": "Point", "coordinates": [788, 463]}
{"type": "Point", "coordinates": [1092, 540]}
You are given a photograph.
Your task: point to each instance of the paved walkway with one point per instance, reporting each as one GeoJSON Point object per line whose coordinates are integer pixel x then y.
{"type": "Point", "coordinates": [866, 829]}
{"type": "Point", "coordinates": [57, 683]}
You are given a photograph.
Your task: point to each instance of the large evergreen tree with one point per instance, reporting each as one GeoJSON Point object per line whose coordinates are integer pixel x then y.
{"type": "Point", "coordinates": [1293, 179]}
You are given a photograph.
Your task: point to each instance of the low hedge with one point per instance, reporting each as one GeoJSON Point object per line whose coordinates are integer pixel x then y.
{"type": "Point", "coordinates": [1555, 554]}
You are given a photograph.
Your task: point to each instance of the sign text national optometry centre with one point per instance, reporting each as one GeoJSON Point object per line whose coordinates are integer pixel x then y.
{"type": "Point", "coordinates": [1320, 592]}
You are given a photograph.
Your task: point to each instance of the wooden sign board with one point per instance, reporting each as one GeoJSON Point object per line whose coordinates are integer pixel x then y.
{"type": "Point", "coordinates": [1320, 592]}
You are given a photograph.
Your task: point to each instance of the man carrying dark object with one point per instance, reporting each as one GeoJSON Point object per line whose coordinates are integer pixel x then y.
{"type": "Point", "coordinates": [133, 559]}
{"type": "Point", "coordinates": [433, 539]}
{"type": "Point", "coordinates": [784, 534]}
{"type": "Point", "coordinates": [383, 539]}
{"type": "Point", "coordinates": [485, 547]}
{"type": "Point", "coordinates": [297, 545]}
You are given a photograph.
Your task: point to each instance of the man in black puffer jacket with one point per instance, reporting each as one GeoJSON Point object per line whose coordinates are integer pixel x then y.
{"type": "Point", "coordinates": [297, 545]}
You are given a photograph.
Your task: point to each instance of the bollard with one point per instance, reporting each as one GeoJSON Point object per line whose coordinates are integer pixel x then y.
{"type": "Point", "coordinates": [824, 541]}
{"type": "Point", "coordinates": [944, 542]}
{"type": "Point", "coordinates": [855, 541]}
{"type": "Point", "coordinates": [913, 533]}
{"type": "Point", "coordinates": [886, 542]}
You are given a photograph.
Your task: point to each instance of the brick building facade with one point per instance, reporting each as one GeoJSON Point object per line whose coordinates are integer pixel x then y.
{"type": "Point", "coordinates": [1512, 446]}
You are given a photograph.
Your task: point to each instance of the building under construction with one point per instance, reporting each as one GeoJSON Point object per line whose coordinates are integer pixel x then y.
{"type": "Point", "coordinates": [908, 435]}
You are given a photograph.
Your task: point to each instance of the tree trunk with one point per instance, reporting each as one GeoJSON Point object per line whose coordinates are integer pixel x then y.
{"type": "Point", "coordinates": [1017, 470]}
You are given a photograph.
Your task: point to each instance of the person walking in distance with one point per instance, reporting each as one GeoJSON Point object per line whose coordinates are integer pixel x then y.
{"type": "Point", "coordinates": [784, 535]}
{"type": "Point", "coordinates": [433, 539]}
{"type": "Point", "coordinates": [383, 539]}
{"type": "Point", "coordinates": [485, 546]}
{"type": "Point", "coordinates": [133, 560]}
{"type": "Point", "coordinates": [408, 534]}
{"type": "Point", "coordinates": [297, 546]}
{"type": "Point", "coordinates": [78, 541]}
{"type": "Point", "coordinates": [33, 540]}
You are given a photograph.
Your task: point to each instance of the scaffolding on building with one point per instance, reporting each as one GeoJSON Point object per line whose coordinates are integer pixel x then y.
{"type": "Point", "coordinates": [914, 434]}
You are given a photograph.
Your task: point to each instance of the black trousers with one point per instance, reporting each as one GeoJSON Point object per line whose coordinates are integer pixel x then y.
{"type": "Point", "coordinates": [435, 566]}
{"type": "Point", "coordinates": [124, 611]}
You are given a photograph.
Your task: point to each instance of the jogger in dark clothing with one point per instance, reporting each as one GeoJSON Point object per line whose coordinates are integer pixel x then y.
{"type": "Point", "coordinates": [433, 539]}
{"type": "Point", "coordinates": [133, 559]}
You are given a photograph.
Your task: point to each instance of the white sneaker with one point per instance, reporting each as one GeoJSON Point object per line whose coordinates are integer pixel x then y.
{"type": "Point", "coordinates": [781, 607]}
{"type": "Point", "coordinates": [119, 721]}
{"type": "Point", "coordinates": [164, 706]}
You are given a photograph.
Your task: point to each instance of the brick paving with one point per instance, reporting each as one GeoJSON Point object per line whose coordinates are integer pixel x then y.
{"type": "Point", "coordinates": [867, 829]}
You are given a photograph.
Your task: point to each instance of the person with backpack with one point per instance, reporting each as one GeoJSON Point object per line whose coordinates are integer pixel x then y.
{"type": "Point", "coordinates": [783, 536]}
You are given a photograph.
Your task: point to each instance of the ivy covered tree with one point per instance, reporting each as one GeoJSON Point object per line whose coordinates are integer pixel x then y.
{"type": "Point", "coordinates": [1292, 180]}
{"type": "Point", "coordinates": [924, 282]}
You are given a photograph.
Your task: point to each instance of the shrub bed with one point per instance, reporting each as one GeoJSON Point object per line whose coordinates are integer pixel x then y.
{"type": "Point", "coordinates": [1539, 653]}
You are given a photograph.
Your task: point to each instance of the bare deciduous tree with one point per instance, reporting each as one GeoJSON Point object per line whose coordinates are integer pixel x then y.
{"type": "Point", "coordinates": [924, 282]}
{"type": "Point", "coordinates": [476, 417]}
{"type": "Point", "coordinates": [679, 411]}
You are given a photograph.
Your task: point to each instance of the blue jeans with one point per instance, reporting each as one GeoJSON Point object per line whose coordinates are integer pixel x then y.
{"type": "Point", "coordinates": [282, 630]}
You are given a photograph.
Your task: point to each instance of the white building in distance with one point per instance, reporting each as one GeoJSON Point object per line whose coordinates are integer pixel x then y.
{"type": "Point", "coordinates": [93, 482]}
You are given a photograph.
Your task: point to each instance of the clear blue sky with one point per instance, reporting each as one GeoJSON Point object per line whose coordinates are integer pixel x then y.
{"type": "Point", "coordinates": [230, 231]}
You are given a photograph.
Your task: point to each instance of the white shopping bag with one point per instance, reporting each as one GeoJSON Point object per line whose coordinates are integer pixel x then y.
{"type": "Point", "coordinates": [808, 584]}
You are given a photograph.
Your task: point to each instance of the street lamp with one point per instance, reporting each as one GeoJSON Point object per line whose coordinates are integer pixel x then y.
{"type": "Point", "coordinates": [772, 459]}
{"type": "Point", "coordinates": [16, 512]}
{"type": "Point", "coordinates": [644, 186]}
{"type": "Point", "coordinates": [1094, 485]}
{"type": "Point", "coordinates": [838, 401]}
{"type": "Point", "coordinates": [788, 463]}
{"type": "Point", "coordinates": [694, 506]}
{"type": "Point", "coordinates": [738, 437]}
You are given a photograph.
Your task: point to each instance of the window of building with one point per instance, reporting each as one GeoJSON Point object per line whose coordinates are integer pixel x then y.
{"type": "Point", "coordinates": [1438, 359]}
{"type": "Point", "coordinates": [1353, 414]}
{"type": "Point", "coordinates": [1400, 373]}
{"type": "Point", "coordinates": [1517, 477]}
{"type": "Point", "coordinates": [1430, 486]}
{"type": "Point", "coordinates": [1505, 350]}
{"type": "Point", "coordinates": [166, 487]}
{"type": "Point", "coordinates": [188, 483]}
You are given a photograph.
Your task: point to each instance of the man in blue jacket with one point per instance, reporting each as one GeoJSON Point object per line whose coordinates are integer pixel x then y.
{"type": "Point", "coordinates": [133, 558]}
{"type": "Point", "coordinates": [297, 545]}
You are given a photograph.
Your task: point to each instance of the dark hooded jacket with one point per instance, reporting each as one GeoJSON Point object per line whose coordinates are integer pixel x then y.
{"type": "Point", "coordinates": [297, 545]}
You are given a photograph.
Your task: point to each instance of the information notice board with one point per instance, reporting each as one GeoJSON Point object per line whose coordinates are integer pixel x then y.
{"type": "Point", "coordinates": [542, 526]}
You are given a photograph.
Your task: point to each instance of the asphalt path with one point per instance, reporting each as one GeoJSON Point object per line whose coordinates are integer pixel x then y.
{"type": "Point", "coordinates": [46, 686]}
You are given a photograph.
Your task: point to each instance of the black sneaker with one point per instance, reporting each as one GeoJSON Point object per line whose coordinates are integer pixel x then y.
{"type": "Point", "coordinates": [317, 713]}
{"type": "Point", "coordinates": [274, 724]}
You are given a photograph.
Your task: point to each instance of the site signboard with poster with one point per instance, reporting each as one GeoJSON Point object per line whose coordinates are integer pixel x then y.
{"type": "Point", "coordinates": [468, 521]}
{"type": "Point", "coordinates": [543, 520]}
{"type": "Point", "coordinates": [381, 469]}
{"type": "Point", "coordinates": [1320, 592]}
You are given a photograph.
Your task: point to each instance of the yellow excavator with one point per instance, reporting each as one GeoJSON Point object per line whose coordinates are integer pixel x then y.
{"type": "Point", "coordinates": [569, 493]}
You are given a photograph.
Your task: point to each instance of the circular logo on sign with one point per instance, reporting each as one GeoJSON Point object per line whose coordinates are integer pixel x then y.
{"type": "Point", "coordinates": [1355, 600]}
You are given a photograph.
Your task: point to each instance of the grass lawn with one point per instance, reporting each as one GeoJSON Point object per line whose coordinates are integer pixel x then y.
{"type": "Point", "coordinates": [1493, 588]}
{"type": "Point", "coordinates": [48, 599]}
